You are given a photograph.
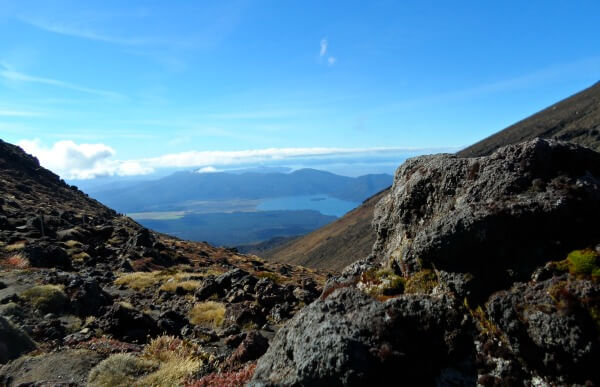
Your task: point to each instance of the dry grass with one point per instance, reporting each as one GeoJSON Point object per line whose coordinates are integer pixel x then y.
{"type": "Point", "coordinates": [187, 286]}
{"type": "Point", "coordinates": [208, 313]}
{"type": "Point", "coordinates": [46, 298]}
{"type": "Point", "coordinates": [81, 257]}
{"type": "Point", "coordinates": [15, 246]}
{"type": "Point", "coordinates": [168, 279]}
{"type": "Point", "coordinates": [72, 244]}
{"type": "Point", "coordinates": [122, 369]}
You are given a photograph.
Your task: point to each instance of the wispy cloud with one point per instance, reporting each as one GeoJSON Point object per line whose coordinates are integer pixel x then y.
{"type": "Point", "coordinates": [323, 51]}
{"type": "Point", "coordinates": [80, 31]}
{"type": "Point", "coordinates": [10, 74]}
{"type": "Point", "coordinates": [85, 161]}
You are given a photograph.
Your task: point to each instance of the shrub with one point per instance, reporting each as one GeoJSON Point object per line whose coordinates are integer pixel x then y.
{"type": "Point", "coordinates": [207, 313]}
{"type": "Point", "coordinates": [16, 261]}
{"type": "Point", "coordinates": [422, 282]}
{"type": "Point", "coordinates": [227, 379]}
{"type": "Point", "coordinates": [46, 298]}
{"type": "Point", "coordinates": [276, 278]}
{"type": "Point", "coordinates": [122, 369]}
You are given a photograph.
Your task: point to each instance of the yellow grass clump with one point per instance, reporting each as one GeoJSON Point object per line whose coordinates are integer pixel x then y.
{"type": "Point", "coordinates": [15, 246]}
{"type": "Point", "coordinates": [207, 313]}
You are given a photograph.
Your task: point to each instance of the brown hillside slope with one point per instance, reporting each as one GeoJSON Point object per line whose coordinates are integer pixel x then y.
{"type": "Point", "coordinates": [334, 246]}
{"type": "Point", "coordinates": [575, 119]}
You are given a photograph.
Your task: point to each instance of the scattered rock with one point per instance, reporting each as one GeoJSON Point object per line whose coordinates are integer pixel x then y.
{"type": "Point", "coordinates": [13, 341]}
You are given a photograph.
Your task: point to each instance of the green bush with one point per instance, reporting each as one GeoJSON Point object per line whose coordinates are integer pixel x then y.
{"type": "Point", "coordinates": [46, 298]}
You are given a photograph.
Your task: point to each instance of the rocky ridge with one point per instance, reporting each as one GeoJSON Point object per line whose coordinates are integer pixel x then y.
{"type": "Point", "coordinates": [87, 294]}
{"type": "Point", "coordinates": [485, 272]}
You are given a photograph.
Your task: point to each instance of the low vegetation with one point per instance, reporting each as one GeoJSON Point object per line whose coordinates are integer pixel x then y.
{"type": "Point", "coordinates": [581, 263]}
{"type": "Point", "coordinates": [46, 298]}
{"type": "Point", "coordinates": [237, 378]}
{"type": "Point", "coordinates": [209, 313]}
{"type": "Point", "coordinates": [381, 283]}
{"type": "Point", "coordinates": [421, 282]}
{"type": "Point", "coordinates": [122, 369]}
{"type": "Point", "coordinates": [15, 261]}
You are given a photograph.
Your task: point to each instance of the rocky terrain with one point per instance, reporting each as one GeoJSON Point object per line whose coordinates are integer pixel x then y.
{"type": "Point", "coordinates": [575, 119]}
{"type": "Point", "coordinates": [88, 296]}
{"type": "Point", "coordinates": [485, 271]}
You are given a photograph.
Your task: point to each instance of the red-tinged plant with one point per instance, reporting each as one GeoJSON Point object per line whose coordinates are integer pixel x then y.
{"type": "Point", "coordinates": [227, 379]}
{"type": "Point", "coordinates": [16, 261]}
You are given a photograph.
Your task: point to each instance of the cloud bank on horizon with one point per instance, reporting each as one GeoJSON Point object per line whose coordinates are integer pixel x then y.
{"type": "Point", "coordinates": [71, 160]}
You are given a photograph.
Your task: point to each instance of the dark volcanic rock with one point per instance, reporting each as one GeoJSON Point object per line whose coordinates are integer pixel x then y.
{"type": "Point", "coordinates": [550, 326]}
{"type": "Point", "coordinates": [522, 205]}
{"type": "Point", "coordinates": [351, 339]}
{"type": "Point", "coordinates": [128, 324]}
{"type": "Point", "coordinates": [44, 255]}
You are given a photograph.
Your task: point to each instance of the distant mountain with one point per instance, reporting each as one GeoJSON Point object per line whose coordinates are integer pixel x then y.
{"type": "Point", "coordinates": [179, 190]}
{"type": "Point", "coordinates": [575, 119]}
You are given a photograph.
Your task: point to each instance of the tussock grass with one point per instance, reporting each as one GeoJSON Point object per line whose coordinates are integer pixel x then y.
{"type": "Point", "coordinates": [208, 313]}
{"type": "Point", "coordinates": [15, 246]}
{"type": "Point", "coordinates": [46, 298]}
{"type": "Point", "coordinates": [72, 244]}
{"type": "Point", "coordinates": [168, 279]}
{"type": "Point", "coordinates": [122, 369]}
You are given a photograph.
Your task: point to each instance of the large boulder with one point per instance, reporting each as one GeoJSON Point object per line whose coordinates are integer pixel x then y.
{"type": "Point", "coordinates": [522, 205]}
{"type": "Point", "coordinates": [352, 339]}
{"type": "Point", "coordinates": [13, 341]}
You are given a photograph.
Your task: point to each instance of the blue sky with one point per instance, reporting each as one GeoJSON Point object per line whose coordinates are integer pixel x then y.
{"type": "Point", "coordinates": [115, 87]}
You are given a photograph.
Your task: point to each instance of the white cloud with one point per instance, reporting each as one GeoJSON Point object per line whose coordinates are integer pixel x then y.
{"type": "Point", "coordinates": [81, 161]}
{"type": "Point", "coordinates": [331, 60]}
{"type": "Point", "coordinates": [207, 170]}
{"type": "Point", "coordinates": [10, 74]}
{"type": "Point", "coordinates": [86, 161]}
{"type": "Point", "coordinates": [323, 47]}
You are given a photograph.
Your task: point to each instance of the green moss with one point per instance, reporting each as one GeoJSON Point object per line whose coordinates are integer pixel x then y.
{"type": "Point", "coordinates": [382, 283]}
{"type": "Point", "coordinates": [46, 298]}
{"type": "Point", "coordinates": [584, 263]}
{"type": "Point", "coordinates": [422, 282]}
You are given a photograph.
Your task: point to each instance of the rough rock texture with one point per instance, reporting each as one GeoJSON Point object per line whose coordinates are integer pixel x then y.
{"type": "Point", "coordinates": [467, 283]}
{"type": "Point", "coordinates": [13, 341]}
{"type": "Point", "coordinates": [525, 204]}
{"type": "Point", "coordinates": [350, 338]}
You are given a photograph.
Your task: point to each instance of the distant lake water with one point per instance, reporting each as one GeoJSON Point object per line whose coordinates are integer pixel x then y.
{"type": "Point", "coordinates": [324, 204]}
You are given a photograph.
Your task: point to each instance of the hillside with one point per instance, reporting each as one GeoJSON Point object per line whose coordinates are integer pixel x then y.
{"type": "Point", "coordinates": [575, 119]}
{"type": "Point", "coordinates": [81, 284]}
{"type": "Point", "coordinates": [333, 246]}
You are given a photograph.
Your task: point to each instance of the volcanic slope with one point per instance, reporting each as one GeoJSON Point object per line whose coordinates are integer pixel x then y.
{"type": "Point", "coordinates": [575, 119]}
{"type": "Point", "coordinates": [89, 296]}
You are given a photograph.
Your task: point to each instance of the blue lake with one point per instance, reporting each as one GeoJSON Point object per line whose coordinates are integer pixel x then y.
{"type": "Point", "coordinates": [324, 204]}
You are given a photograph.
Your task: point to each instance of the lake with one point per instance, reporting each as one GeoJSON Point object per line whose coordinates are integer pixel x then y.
{"type": "Point", "coordinates": [322, 203]}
